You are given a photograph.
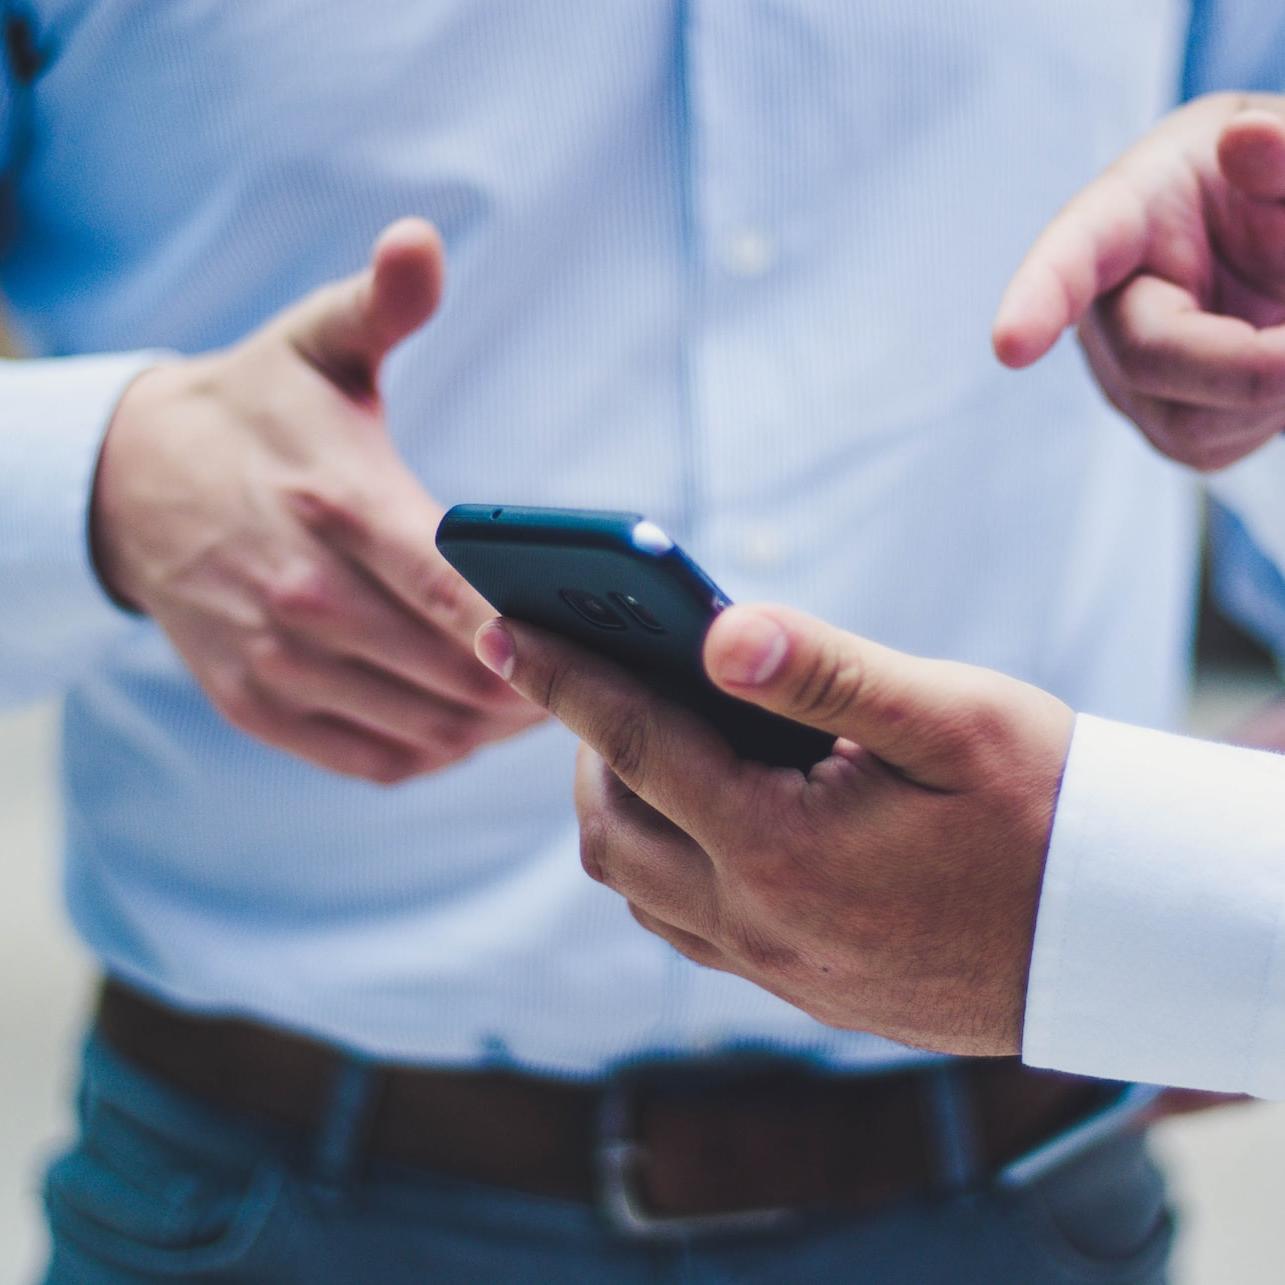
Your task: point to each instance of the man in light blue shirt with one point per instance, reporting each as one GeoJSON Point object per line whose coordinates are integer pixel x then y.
{"type": "Point", "coordinates": [732, 266]}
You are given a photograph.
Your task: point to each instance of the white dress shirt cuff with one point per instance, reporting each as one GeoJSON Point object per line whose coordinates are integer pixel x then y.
{"type": "Point", "coordinates": [1159, 950]}
{"type": "Point", "coordinates": [56, 616]}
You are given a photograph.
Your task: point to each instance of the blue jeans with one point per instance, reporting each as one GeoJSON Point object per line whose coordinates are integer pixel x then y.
{"type": "Point", "coordinates": [160, 1187]}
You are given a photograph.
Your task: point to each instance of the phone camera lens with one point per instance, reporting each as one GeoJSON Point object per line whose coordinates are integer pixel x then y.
{"type": "Point", "coordinates": [592, 609]}
{"type": "Point", "coordinates": [634, 608]}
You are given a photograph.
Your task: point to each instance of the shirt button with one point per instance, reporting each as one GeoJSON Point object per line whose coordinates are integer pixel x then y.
{"type": "Point", "coordinates": [763, 548]}
{"type": "Point", "coordinates": [749, 253]}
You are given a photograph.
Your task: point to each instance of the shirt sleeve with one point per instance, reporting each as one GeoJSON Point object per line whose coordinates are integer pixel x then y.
{"type": "Point", "coordinates": [1159, 951]}
{"type": "Point", "coordinates": [56, 618]}
{"type": "Point", "coordinates": [1235, 45]}
{"type": "Point", "coordinates": [1254, 490]}
{"type": "Point", "coordinates": [1248, 586]}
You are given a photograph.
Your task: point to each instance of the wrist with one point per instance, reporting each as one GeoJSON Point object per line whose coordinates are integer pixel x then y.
{"type": "Point", "coordinates": [147, 400]}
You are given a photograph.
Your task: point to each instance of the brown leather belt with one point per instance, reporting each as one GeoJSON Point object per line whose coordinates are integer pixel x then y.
{"type": "Point", "coordinates": [678, 1142]}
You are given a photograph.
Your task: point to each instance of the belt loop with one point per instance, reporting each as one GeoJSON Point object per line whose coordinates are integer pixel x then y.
{"type": "Point", "coordinates": [950, 1110]}
{"type": "Point", "coordinates": [342, 1131]}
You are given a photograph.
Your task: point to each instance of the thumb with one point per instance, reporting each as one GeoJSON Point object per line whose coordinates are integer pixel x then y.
{"type": "Point", "coordinates": [918, 715]}
{"type": "Point", "coordinates": [1251, 153]}
{"type": "Point", "coordinates": [346, 328]}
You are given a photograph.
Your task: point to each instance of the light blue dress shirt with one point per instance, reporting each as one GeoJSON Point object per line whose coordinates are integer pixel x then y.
{"type": "Point", "coordinates": [731, 264]}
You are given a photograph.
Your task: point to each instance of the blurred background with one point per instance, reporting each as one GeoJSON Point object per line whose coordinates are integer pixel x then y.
{"type": "Point", "coordinates": [1228, 1165]}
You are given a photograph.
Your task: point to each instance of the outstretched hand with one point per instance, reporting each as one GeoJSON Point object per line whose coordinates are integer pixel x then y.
{"type": "Point", "coordinates": [253, 504]}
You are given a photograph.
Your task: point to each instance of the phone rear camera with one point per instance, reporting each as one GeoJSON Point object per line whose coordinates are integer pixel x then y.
{"type": "Point", "coordinates": [632, 607]}
{"type": "Point", "coordinates": [592, 609]}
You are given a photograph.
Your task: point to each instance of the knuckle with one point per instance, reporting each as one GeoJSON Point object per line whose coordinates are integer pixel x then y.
{"type": "Point", "coordinates": [552, 682]}
{"type": "Point", "coordinates": [1204, 442]}
{"type": "Point", "coordinates": [302, 594]}
{"type": "Point", "coordinates": [1211, 459]}
{"type": "Point", "coordinates": [829, 684]}
{"type": "Point", "coordinates": [762, 954]}
{"type": "Point", "coordinates": [385, 768]}
{"type": "Point", "coordinates": [269, 659]}
{"type": "Point", "coordinates": [494, 699]}
{"type": "Point", "coordinates": [594, 847]}
{"type": "Point", "coordinates": [1183, 424]}
{"type": "Point", "coordinates": [240, 705]}
{"type": "Point", "coordinates": [686, 944]}
{"type": "Point", "coordinates": [1142, 362]}
{"type": "Point", "coordinates": [1259, 386]}
{"type": "Point", "coordinates": [1250, 381]}
{"type": "Point", "coordinates": [329, 512]}
{"type": "Point", "coordinates": [625, 746]}
{"type": "Point", "coordinates": [442, 589]}
{"type": "Point", "coordinates": [451, 738]}
{"type": "Point", "coordinates": [1194, 443]}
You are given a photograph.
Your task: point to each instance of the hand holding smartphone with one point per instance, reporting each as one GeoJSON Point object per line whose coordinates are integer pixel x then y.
{"type": "Point", "coordinates": [615, 583]}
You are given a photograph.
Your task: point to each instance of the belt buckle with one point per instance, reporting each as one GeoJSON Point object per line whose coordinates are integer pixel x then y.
{"type": "Point", "coordinates": [620, 1157]}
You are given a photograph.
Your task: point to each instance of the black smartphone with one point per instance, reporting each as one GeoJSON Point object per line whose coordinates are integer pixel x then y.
{"type": "Point", "coordinates": [615, 583]}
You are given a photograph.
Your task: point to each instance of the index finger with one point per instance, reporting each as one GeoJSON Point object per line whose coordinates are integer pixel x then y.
{"type": "Point", "coordinates": [668, 756]}
{"type": "Point", "coordinates": [1095, 243]}
{"type": "Point", "coordinates": [393, 543]}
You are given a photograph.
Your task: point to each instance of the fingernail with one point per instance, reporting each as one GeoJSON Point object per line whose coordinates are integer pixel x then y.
{"type": "Point", "coordinates": [756, 652]}
{"type": "Point", "coordinates": [495, 649]}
